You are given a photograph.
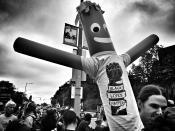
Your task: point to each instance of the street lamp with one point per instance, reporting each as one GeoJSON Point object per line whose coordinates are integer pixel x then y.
{"type": "Point", "coordinates": [27, 83]}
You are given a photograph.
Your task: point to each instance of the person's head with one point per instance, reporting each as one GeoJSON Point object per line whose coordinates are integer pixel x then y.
{"type": "Point", "coordinates": [52, 112]}
{"type": "Point", "coordinates": [82, 114]}
{"type": "Point", "coordinates": [9, 107]}
{"type": "Point", "coordinates": [30, 107]}
{"type": "Point", "coordinates": [69, 118]}
{"type": "Point", "coordinates": [151, 103]}
{"type": "Point", "coordinates": [49, 121]}
{"type": "Point", "coordinates": [88, 117]}
{"type": "Point", "coordinates": [169, 114]}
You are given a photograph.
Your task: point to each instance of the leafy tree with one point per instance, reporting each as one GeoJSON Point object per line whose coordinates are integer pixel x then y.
{"type": "Point", "coordinates": [53, 101]}
{"type": "Point", "coordinates": [90, 91]}
{"type": "Point", "coordinates": [7, 90]}
{"type": "Point", "coordinates": [144, 72]}
{"type": "Point", "coordinates": [62, 96]}
{"type": "Point", "coordinates": [18, 97]}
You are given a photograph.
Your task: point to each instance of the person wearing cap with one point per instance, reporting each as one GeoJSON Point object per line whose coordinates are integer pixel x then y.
{"type": "Point", "coordinates": [8, 116]}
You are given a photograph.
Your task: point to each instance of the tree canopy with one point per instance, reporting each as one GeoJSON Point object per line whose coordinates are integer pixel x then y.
{"type": "Point", "coordinates": [147, 70]}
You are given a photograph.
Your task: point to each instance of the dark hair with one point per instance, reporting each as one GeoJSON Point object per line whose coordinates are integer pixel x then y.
{"type": "Point", "coordinates": [49, 120]}
{"type": "Point", "coordinates": [31, 106]}
{"type": "Point", "coordinates": [148, 91]}
{"type": "Point", "coordinates": [69, 117]}
{"type": "Point", "coordinates": [87, 117]}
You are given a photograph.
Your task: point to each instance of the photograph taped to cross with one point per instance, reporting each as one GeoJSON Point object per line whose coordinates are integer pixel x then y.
{"type": "Point", "coordinates": [70, 35]}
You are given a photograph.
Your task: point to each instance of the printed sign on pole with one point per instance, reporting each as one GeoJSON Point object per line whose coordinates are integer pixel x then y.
{"type": "Point", "coordinates": [70, 35]}
{"type": "Point", "coordinates": [73, 92]}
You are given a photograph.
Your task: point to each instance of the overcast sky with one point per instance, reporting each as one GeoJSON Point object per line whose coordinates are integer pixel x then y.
{"type": "Point", "coordinates": [128, 21]}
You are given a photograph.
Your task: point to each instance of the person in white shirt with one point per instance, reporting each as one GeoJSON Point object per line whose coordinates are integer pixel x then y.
{"type": "Point", "coordinates": [8, 116]}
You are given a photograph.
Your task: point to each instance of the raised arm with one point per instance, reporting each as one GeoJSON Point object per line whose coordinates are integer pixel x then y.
{"type": "Point", "coordinates": [136, 51]}
{"type": "Point", "coordinates": [47, 53]}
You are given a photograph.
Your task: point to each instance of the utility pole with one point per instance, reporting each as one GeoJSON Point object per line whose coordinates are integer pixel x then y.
{"type": "Point", "coordinates": [26, 87]}
{"type": "Point", "coordinates": [77, 99]}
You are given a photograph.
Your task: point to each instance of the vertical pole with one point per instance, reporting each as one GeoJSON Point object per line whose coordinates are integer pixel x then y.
{"type": "Point", "coordinates": [77, 100]}
{"type": "Point", "coordinates": [25, 88]}
{"type": "Point", "coordinates": [25, 91]}
{"type": "Point", "coordinates": [77, 92]}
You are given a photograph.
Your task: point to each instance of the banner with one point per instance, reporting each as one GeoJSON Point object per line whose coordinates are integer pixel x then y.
{"type": "Point", "coordinates": [70, 35]}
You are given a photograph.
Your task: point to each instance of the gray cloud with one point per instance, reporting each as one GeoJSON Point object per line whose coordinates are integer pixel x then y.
{"type": "Point", "coordinates": [3, 59]}
{"type": "Point", "coordinates": [38, 20]}
{"type": "Point", "coordinates": [39, 16]}
{"type": "Point", "coordinates": [148, 7]}
{"type": "Point", "coordinates": [11, 10]}
{"type": "Point", "coordinates": [33, 16]}
{"type": "Point", "coordinates": [156, 14]}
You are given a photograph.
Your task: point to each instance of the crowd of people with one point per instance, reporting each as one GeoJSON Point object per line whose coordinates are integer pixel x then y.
{"type": "Point", "coordinates": [31, 117]}
{"type": "Point", "coordinates": [156, 112]}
